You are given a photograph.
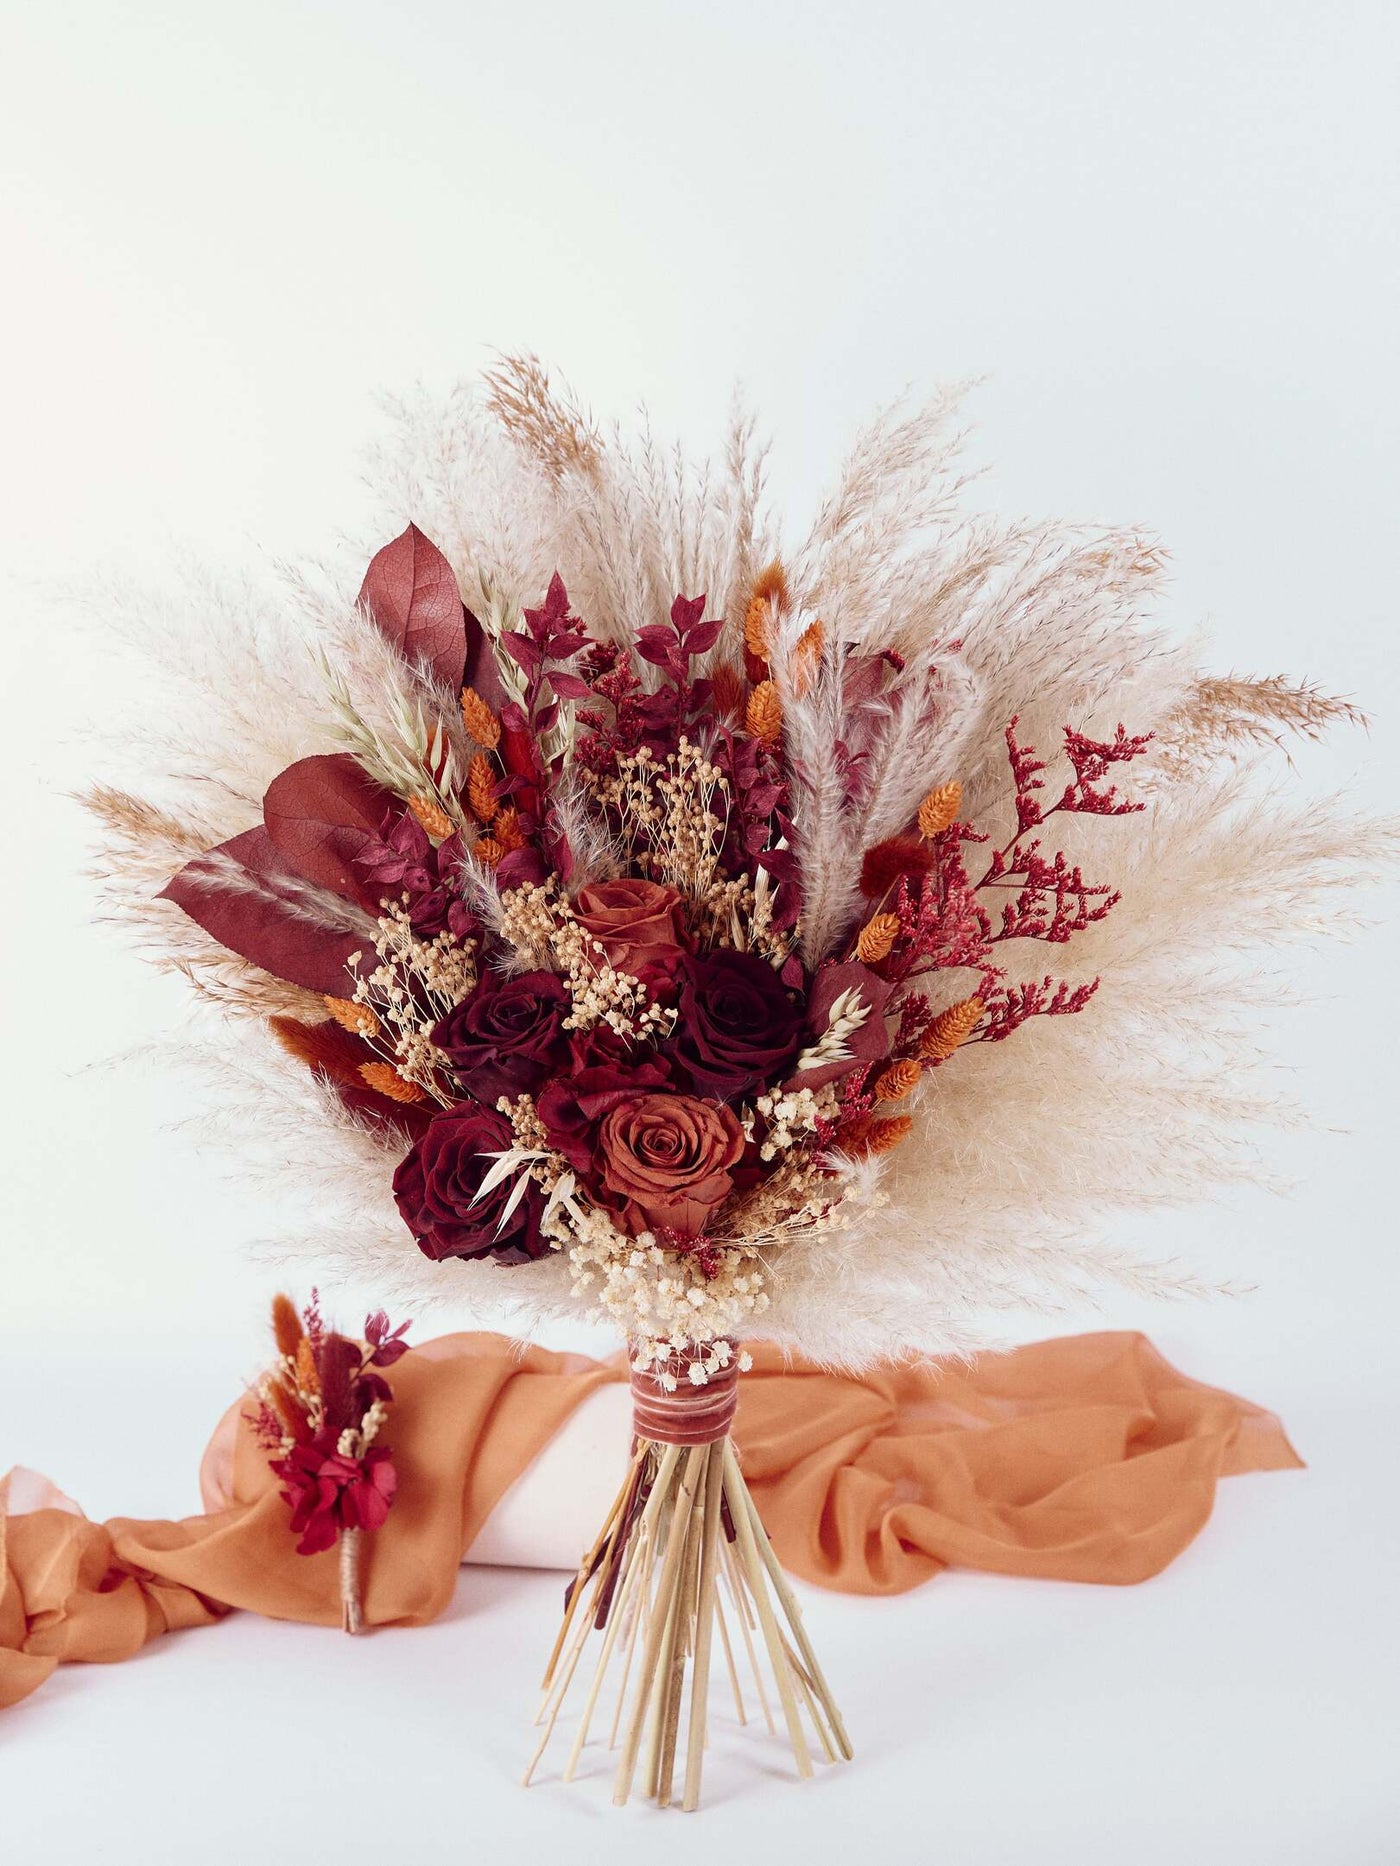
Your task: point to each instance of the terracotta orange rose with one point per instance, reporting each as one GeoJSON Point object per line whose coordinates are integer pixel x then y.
{"type": "Point", "coordinates": [668, 1160]}
{"type": "Point", "coordinates": [636, 922]}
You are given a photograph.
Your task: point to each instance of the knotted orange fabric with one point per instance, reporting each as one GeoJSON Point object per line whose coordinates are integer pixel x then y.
{"type": "Point", "coordinates": [1084, 1459]}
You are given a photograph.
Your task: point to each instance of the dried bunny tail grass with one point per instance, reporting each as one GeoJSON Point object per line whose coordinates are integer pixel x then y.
{"type": "Point", "coordinates": [287, 1331]}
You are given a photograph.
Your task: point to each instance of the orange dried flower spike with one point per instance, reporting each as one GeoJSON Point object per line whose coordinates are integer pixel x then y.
{"type": "Point", "coordinates": [769, 594]}
{"type": "Point", "coordinates": [431, 816]}
{"type": "Point", "coordinates": [899, 1080]}
{"type": "Point", "coordinates": [886, 1134]}
{"type": "Point", "coordinates": [286, 1326]}
{"type": "Point", "coordinates": [506, 831]}
{"type": "Point", "coordinates": [307, 1378]}
{"type": "Point", "coordinates": [939, 810]}
{"type": "Point", "coordinates": [359, 1019]}
{"type": "Point", "coordinates": [488, 851]}
{"type": "Point", "coordinates": [481, 787]}
{"type": "Point", "coordinates": [810, 647]}
{"type": "Point", "coordinates": [284, 1404]}
{"type": "Point", "coordinates": [950, 1029]}
{"type": "Point", "coordinates": [386, 1080]}
{"type": "Point", "coordinates": [479, 720]}
{"type": "Point", "coordinates": [727, 690]}
{"type": "Point", "coordinates": [763, 719]}
{"type": "Point", "coordinates": [877, 938]}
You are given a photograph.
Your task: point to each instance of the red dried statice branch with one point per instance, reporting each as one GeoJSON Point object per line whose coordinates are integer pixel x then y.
{"type": "Point", "coordinates": [945, 926]}
{"type": "Point", "coordinates": [1011, 1005]}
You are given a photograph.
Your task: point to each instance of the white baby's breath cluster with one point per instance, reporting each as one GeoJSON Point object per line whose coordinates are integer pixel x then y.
{"type": "Point", "coordinates": [790, 1116]}
{"type": "Point", "coordinates": [665, 1302]}
{"type": "Point", "coordinates": [416, 982]}
{"type": "Point", "coordinates": [674, 814]}
{"type": "Point", "coordinates": [544, 929]}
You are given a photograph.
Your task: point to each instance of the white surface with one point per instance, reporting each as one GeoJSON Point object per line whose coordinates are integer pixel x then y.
{"type": "Point", "coordinates": [1169, 237]}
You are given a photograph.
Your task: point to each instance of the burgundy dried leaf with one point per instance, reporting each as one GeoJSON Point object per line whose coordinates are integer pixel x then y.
{"type": "Point", "coordinates": [322, 813]}
{"type": "Point", "coordinates": [411, 593]}
{"type": "Point", "coordinates": [703, 636]}
{"type": "Point", "coordinates": [245, 911]}
{"type": "Point", "coordinates": [569, 686]}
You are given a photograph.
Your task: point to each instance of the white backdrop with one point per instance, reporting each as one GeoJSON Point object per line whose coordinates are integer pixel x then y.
{"type": "Point", "coordinates": [1168, 239]}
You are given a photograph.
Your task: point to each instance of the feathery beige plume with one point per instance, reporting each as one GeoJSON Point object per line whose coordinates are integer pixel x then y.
{"type": "Point", "coordinates": [543, 422]}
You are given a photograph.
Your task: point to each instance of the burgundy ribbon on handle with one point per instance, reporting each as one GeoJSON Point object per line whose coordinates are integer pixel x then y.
{"type": "Point", "coordinates": [691, 1414]}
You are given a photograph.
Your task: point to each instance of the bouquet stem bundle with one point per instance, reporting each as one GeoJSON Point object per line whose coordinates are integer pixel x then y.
{"type": "Point", "coordinates": [682, 1536]}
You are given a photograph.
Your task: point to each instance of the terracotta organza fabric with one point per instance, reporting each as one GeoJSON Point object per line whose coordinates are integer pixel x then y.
{"type": "Point", "coordinates": [1084, 1459]}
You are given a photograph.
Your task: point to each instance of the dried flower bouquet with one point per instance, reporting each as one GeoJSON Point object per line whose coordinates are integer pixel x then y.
{"type": "Point", "coordinates": [642, 908]}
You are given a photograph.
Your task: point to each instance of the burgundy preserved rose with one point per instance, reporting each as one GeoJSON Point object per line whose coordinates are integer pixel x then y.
{"type": "Point", "coordinates": [737, 1026]}
{"type": "Point", "coordinates": [634, 921]}
{"type": "Point", "coordinates": [438, 1180]}
{"type": "Point", "coordinates": [571, 1107]}
{"type": "Point", "coordinates": [507, 1036]}
{"type": "Point", "coordinates": [667, 1160]}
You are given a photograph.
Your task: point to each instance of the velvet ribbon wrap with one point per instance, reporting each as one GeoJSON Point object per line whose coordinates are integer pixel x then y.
{"type": "Point", "coordinates": [1087, 1458]}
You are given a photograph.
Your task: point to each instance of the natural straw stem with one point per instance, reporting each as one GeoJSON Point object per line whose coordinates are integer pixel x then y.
{"type": "Point", "coordinates": [682, 1522]}
{"type": "Point", "coordinates": [351, 1614]}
